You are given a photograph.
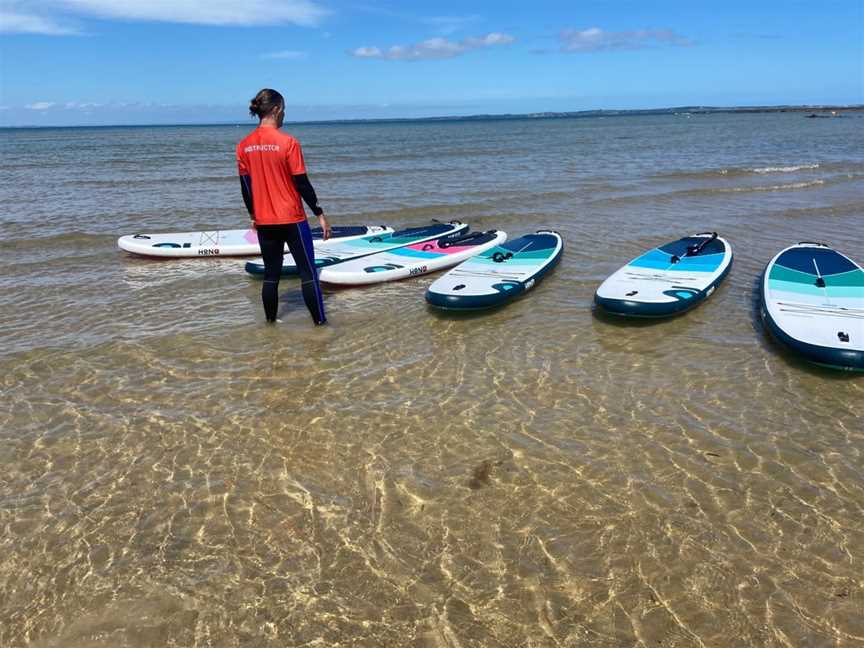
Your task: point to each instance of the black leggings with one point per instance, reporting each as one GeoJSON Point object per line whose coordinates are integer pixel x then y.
{"type": "Point", "coordinates": [299, 239]}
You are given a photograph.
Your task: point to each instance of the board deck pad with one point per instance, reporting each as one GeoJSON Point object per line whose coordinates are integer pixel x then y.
{"type": "Point", "coordinates": [666, 280]}
{"type": "Point", "coordinates": [813, 301]}
{"type": "Point", "coordinates": [335, 252]}
{"type": "Point", "coordinates": [239, 242]}
{"type": "Point", "coordinates": [499, 274]}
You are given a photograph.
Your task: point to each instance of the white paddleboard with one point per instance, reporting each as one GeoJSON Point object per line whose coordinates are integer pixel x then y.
{"type": "Point", "coordinates": [668, 279]}
{"type": "Point", "coordinates": [411, 260]}
{"type": "Point", "coordinates": [335, 252]}
{"type": "Point", "coordinates": [240, 242]}
{"type": "Point", "coordinates": [813, 301]}
{"type": "Point", "coordinates": [499, 274]}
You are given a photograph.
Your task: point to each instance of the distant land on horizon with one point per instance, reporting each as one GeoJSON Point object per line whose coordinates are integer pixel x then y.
{"type": "Point", "coordinates": [692, 110]}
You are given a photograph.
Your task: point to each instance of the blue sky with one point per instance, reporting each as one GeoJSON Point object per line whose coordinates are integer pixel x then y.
{"type": "Point", "coordinates": [196, 61]}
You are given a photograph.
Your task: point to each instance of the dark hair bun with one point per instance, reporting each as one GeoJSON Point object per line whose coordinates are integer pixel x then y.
{"type": "Point", "coordinates": [265, 102]}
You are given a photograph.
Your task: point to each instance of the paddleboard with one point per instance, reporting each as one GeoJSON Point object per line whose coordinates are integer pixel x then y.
{"type": "Point", "coordinates": [334, 252]}
{"type": "Point", "coordinates": [241, 242]}
{"type": "Point", "coordinates": [499, 274]}
{"type": "Point", "coordinates": [668, 279]}
{"type": "Point", "coordinates": [813, 302]}
{"type": "Point", "coordinates": [412, 260]}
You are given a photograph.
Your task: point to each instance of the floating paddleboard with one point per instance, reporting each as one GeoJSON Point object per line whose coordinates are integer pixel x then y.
{"type": "Point", "coordinates": [333, 252]}
{"type": "Point", "coordinates": [499, 274]}
{"type": "Point", "coordinates": [813, 301]}
{"type": "Point", "coordinates": [669, 279]}
{"type": "Point", "coordinates": [242, 242]}
{"type": "Point", "coordinates": [412, 260]}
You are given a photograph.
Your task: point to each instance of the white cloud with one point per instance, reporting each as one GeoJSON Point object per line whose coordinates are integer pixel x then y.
{"type": "Point", "coordinates": [598, 40]}
{"type": "Point", "coordinates": [18, 22]}
{"type": "Point", "coordinates": [204, 12]}
{"type": "Point", "coordinates": [285, 54]}
{"type": "Point", "coordinates": [41, 17]}
{"type": "Point", "coordinates": [495, 38]}
{"type": "Point", "coordinates": [366, 52]}
{"type": "Point", "coordinates": [434, 48]}
{"type": "Point", "coordinates": [40, 105]}
{"type": "Point", "coordinates": [78, 105]}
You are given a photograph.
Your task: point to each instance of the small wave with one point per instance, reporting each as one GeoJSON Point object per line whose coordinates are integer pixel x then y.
{"type": "Point", "coordinates": [736, 172]}
{"type": "Point", "coordinates": [785, 169]}
{"type": "Point", "coordinates": [779, 187]}
{"type": "Point", "coordinates": [714, 191]}
{"type": "Point", "coordinates": [806, 184]}
{"type": "Point", "coordinates": [367, 173]}
{"type": "Point", "coordinates": [55, 241]}
{"type": "Point", "coordinates": [147, 182]}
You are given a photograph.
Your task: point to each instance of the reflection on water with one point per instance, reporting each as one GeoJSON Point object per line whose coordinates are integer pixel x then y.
{"type": "Point", "coordinates": [176, 473]}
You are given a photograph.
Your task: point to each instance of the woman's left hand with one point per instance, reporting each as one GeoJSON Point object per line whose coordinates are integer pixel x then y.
{"type": "Point", "coordinates": [325, 226]}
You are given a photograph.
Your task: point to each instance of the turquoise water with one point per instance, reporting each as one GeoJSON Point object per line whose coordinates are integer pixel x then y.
{"type": "Point", "coordinates": [173, 472]}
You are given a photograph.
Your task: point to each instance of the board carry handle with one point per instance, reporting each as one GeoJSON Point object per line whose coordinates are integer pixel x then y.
{"type": "Point", "coordinates": [447, 241]}
{"type": "Point", "coordinates": [141, 236]}
{"type": "Point", "coordinates": [702, 245]}
{"type": "Point", "coordinates": [500, 257]}
{"type": "Point", "coordinates": [819, 243]}
{"type": "Point", "coordinates": [696, 249]}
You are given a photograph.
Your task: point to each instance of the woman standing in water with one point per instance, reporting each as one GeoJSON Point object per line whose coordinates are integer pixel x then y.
{"type": "Point", "coordinates": [273, 179]}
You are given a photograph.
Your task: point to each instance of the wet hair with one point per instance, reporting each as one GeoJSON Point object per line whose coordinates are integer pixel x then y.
{"type": "Point", "coordinates": [265, 102]}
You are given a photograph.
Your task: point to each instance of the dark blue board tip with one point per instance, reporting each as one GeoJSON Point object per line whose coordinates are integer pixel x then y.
{"type": "Point", "coordinates": [257, 270]}
{"type": "Point", "coordinates": [644, 310]}
{"type": "Point", "coordinates": [473, 302]}
{"type": "Point", "coordinates": [341, 231]}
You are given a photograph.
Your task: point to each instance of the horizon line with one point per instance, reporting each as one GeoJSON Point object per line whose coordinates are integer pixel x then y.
{"type": "Point", "coordinates": [612, 112]}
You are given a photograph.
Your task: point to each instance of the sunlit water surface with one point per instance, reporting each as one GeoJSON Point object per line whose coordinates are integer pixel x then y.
{"type": "Point", "coordinates": [175, 473]}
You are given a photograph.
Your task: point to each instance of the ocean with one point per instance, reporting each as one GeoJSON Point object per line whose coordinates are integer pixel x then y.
{"type": "Point", "coordinates": [173, 472]}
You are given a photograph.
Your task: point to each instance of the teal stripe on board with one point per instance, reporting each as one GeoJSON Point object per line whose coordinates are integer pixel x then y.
{"type": "Point", "coordinates": [533, 254]}
{"type": "Point", "coordinates": [799, 288]}
{"type": "Point", "coordinates": [515, 261]}
{"type": "Point", "coordinates": [695, 265]}
{"type": "Point", "coordinates": [852, 279]}
{"type": "Point", "coordinates": [781, 273]}
{"type": "Point", "coordinates": [529, 258]}
{"type": "Point", "coordinates": [656, 259]}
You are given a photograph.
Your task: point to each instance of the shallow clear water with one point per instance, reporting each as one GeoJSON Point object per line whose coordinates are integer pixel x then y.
{"type": "Point", "coordinates": [174, 472]}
